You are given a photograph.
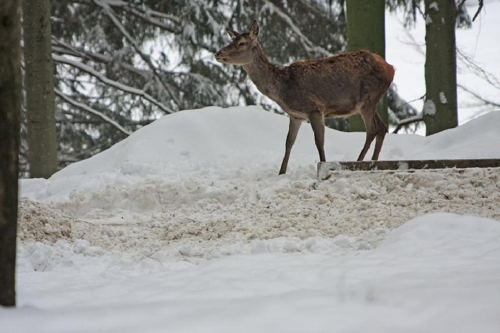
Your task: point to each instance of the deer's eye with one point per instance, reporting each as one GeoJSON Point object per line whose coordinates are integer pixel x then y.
{"type": "Point", "coordinates": [242, 44]}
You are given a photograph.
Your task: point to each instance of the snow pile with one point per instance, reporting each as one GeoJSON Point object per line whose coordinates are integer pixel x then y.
{"type": "Point", "coordinates": [203, 184]}
{"type": "Point", "coordinates": [241, 142]}
{"type": "Point", "coordinates": [42, 223]}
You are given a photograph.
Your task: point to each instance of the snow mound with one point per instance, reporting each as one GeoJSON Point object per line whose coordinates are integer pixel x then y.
{"type": "Point", "coordinates": [475, 139]}
{"type": "Point", "coordinates": [443, 233]}
{"type": "Point", "coordinates": [245, 142]}
{"type": "Point", "coordinates": [239, 135]}
{"type": "Point", "coordinates": [42, 223]}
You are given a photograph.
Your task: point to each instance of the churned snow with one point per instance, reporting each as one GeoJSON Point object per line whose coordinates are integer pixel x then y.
{"type": "Point", "coordinates": [185, 226]}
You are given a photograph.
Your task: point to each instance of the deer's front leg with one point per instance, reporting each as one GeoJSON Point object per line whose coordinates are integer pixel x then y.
{"type": "Point", "coordinates": [293, 129]}
{"type": "Point", "coordinates": [318, 126]}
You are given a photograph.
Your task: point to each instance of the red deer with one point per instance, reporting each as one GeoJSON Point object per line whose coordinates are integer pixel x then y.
{"type": "Point", "coordinates": [337, 86]}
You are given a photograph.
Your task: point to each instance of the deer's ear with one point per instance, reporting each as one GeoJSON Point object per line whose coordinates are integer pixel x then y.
{"type": "Point", "coordinates": [232, 33]}
{"type": "Point", "coordinates": [254, 29]}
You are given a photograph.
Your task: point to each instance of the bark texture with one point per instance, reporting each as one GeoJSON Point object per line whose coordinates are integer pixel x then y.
{"type": "Point", "coordinates": [366, 31]}
{"type": "Point", "coordinates": [10, 110]}
{"type": "Point", "coordinates": [440, 108]}
{"type": "Point", "coordinates": [39, 81]}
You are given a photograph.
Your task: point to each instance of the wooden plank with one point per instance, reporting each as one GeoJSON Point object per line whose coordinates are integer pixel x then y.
{"type": "Point", "coordinates": [324, 168]}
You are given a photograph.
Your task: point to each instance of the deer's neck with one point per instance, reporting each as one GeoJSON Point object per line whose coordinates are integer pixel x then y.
{"type": "Point", "coordinates": [263, 74]}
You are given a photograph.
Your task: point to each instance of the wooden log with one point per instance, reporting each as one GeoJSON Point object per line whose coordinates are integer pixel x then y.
{"type": "Point", "coordinates": [324, 168]}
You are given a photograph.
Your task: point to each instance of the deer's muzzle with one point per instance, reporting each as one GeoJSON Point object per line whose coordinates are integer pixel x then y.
{"type": "Point", "coordinates": [220, 57]}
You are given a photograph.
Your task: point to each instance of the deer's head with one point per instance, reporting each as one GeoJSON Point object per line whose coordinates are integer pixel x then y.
{"type": "Point", "coordinates": [240, 50]}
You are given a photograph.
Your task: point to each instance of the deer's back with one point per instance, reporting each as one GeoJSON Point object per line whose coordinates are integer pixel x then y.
{"type": "Point", "coordinates": [339, 82]}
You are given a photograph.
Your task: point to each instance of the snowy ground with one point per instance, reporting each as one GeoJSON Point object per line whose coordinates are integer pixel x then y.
{"type": "Point", "coordinates": [186, 227]}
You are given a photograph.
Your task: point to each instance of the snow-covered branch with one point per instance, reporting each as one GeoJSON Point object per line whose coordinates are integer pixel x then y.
{"type": "Point", "coordinates": [65, 49]}
{"type": "Point", "coordinates": [111, 15]}
{"type": "Point", "coordinates": [408, 121]}
{"type": "Point", "coordinates": [149, 19]}
{"type": "Point", "coordinates": [88, 109]}
{"type": "Point", "coordinates": [306, 43]}
{"type": "Point", "coordinates": [115, 84]}
{"type": "Point", "coordinates": [148, 12]}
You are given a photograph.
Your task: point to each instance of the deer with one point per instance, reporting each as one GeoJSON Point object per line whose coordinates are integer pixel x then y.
{"type": "Point", "coordinates": [312, 90]}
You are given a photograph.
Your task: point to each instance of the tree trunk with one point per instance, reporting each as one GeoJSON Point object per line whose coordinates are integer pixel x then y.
{"type": "Point", "coordinates": [366, 31]}
{"type": "Point", "coordinates": [39, 81]}
{"type": "Point", "coordinates": [10, 110]}
{"type": "Point", "coordinates": [440, 108]}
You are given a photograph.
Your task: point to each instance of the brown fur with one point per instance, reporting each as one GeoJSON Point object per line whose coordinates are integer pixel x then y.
{"type": "Point", "coordinates": [337, 86]}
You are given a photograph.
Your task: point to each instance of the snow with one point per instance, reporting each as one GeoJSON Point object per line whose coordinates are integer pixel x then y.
{"type": "Point", "coordinates": [185, 226]}
{"type": "Point", "coordinates": [442, 98]}
{"type": "Point", "coordinates": [437, 273]}
{"type": "Point", "coordinates": [428, 19]}
{"type": "Point", "coordinates": [429, 107]}
{"type": "Point", "coordinates": [203, 142]}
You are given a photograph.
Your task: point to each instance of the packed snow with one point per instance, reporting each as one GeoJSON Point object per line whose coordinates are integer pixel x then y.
{"type": "Point", "coordinates": [185, 226]}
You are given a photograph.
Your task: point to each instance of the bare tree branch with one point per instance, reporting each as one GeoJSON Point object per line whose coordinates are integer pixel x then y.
{"type": "Point", "coordinates": [477, 70]}
{"type": "Point", "coordinates": [479, 97]}
{"type": "Point", "coordinates": [478, 10]}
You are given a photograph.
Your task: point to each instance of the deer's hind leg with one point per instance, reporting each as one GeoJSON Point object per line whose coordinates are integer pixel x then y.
{"type": "Point", "coordinates": [381, 130]}
{"type": "Point", "coordinates": [317, 120]}
{"type": "Point", "coordinates": [368, 113]}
